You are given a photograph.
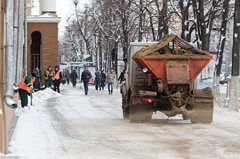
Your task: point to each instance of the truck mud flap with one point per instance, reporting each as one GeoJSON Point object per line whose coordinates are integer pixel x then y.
{"type": "Point", "coordinates": [140, 113]}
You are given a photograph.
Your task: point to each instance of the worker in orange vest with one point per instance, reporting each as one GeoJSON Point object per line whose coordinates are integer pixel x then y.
{"type": "Point", "coordinates": [57, 76]}
{"type": "Point", "coordinates": [25, 88]}
{"type": "Point", "coordinates": [48, 74]}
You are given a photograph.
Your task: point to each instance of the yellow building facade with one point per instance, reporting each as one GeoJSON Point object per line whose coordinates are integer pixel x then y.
{"type": "Point", "coordinates": [40, 49]}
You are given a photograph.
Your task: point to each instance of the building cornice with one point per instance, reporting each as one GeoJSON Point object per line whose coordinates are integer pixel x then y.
{"type": "Point", "coordinates": [43, 19]}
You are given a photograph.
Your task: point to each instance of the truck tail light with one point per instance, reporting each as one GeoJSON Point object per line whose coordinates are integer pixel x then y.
{"type": "Point", "coordinates": [148, 100]}
{"type": "Point", "coordinates": [137, 100]}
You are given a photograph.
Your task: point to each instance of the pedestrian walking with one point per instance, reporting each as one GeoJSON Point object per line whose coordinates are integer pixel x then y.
{"type": "Point", "coordinates": [74, 77]}
{"type": "Point", "coordinates": [103, 80]}
{"type": "Point", "coordinates": [48, 77]}
{"type": "Point", "coordinates": [25, 89]}
{"type": "Point", "coordinates": [57, 76]}
{"type": "Point", "coordinates": [86, 75]}
{"type": "Point", "coordinates": [98, 78]}
{"type": "Point", "coordinates": [121, 78]}
{"type": "Point", "coordinates": [67, 76]}
{"type": "Point", "coordinates": [110, 79]}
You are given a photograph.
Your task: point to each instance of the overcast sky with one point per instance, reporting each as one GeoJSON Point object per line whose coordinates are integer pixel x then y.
{"type": "Point", "coordinates": [65, 9]}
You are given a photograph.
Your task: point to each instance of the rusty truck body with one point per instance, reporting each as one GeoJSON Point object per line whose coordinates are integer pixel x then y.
{"type": "Point", "coordinates": [160, 77]}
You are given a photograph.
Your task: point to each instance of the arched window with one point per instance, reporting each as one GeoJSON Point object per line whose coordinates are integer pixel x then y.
{"type": "Point", "coordinates": [36, 50]}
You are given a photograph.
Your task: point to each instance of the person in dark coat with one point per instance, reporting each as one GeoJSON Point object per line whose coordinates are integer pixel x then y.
{"type": "Point", "coordinates": [103, 80]}
{"type": "Point", "coordinates": [98, 78]}
{"type": "Point", "coordinates": [121, 78]}
{"type": "Point", "coordinates": [86, 75]}
{"type": "Point", "coordinates": [57, 76]}
{"type": "Point", "coordinates": [74, 77]}
{"type": "Point", "coordinates": [67, 76]}
{"type": "Point", "coordinates": [37, 82]}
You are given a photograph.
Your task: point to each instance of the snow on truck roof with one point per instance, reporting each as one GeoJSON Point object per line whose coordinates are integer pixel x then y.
{"type": "Point", "coordinates": [171, 44]}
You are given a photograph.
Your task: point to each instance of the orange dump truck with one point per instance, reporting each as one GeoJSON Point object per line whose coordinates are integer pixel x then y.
{"type": "Point", "coordinates": [160, 77]}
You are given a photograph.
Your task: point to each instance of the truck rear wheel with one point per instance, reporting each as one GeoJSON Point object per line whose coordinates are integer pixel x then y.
{"type": "Point", "coordinates": [140, 113]}
{"type": "Point", "coordinates": [202, 111]}
{"type": "Point", "coordinates": [186, 117]}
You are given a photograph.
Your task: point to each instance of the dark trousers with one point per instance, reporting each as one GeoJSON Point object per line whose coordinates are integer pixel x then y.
{"type": "Point", "coordinates": [24, 97]}
{"type": "Point", "coordinates": [68, 81]}
{"type": "Point", "coordinates": [74, 82]}
{"type": "Point", "coordinates": [110, 88]}
{"type": "Point", "coordinates": [37, 86]}
{"type": "Point", "coordinates": [98, 85]}
{"type": "Point", "coordinates": [85, 84]}
{"type": "Point", "coordinates": [56, 85]}
{"type": "Point", "coordinates": [102, 85]}
{"type": "Point", "coordinates": [48, 84]}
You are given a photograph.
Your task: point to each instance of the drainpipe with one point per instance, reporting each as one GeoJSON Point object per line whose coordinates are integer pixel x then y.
{"type": "Point", "coordinates": [25, 39]}
{"type": "Point", "coordinates": [15, 36]}
{"type": "Point", "coordinates": [20, 40]}
{"type": "Point", "coordinates": [10, 63]}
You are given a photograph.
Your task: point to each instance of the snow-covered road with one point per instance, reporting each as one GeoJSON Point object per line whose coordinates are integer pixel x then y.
{"type": "Point", "coordinates": [75, 126]}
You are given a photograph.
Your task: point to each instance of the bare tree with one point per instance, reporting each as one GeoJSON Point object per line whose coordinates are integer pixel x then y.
{"type": "Point", "coordinates": [235, 60]}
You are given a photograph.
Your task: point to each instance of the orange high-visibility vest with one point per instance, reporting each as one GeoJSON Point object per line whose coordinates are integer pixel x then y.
{"type": "Point", "coordinates": [56, 76]}
{"type": "Point", "coordinates": [23, 86]}
{"type": "Point", "coordinates": [47, 73]}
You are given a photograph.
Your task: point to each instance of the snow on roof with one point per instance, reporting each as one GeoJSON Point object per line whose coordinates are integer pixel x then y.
{"type": "Point", "coordinates": [45, 18]}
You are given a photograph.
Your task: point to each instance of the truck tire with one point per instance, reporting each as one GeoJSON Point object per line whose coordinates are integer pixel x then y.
{"type": "Point", "coordinates": [186, 117]}
{"type": "Point", "coordinates": [202, 111]}
{"type": "Point", "coordinates": [140, 113]}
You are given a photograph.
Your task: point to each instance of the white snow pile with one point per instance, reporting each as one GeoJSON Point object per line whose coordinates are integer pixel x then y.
{"type": "Point", "coordinates": [33, 129]}
{"type": "Point", "coordinates": [41, 96]}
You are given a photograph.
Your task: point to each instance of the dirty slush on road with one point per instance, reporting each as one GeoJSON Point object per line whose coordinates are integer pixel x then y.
{"type": "Point", "coordinates": [92, 127]}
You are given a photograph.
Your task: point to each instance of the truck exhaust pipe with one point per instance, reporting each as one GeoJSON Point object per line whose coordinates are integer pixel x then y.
{"type": "Point", "coordinates": [10, 56]}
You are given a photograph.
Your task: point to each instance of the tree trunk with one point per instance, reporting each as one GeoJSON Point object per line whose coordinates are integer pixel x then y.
{"type": "Point", "coordinates": [221, 46]}
{"type": "Point", "coordinates": [160, 21]}
{"type": "Point", "coordinates": [100, 51]}
{"type": "Point", "coordinates": [185, 22]}
{"type": "Point", "coordinates": [234, 92]}
{"type": "Point", "coordinates": [222, 40]}
{"type": "Point", "coordinates": [216, 91]}
{"type": "Point", "coordinates": [235, 60]}
{"type": "Point", "coordinates": [151, 24]}
{"type": "Point", "coordinates": [164, 13]}
{"type": "Point", "coordinates": [125, 30]}
{"type": "Point", "coordinates": [140, 29]}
